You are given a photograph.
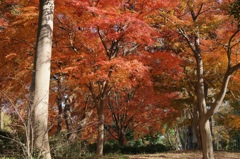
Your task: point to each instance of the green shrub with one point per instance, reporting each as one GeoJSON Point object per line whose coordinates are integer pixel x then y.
{"type": "Point", "coordinates": [151, 148]}
{"type": "Point", "coordinates": [92, 147]}
{"type": "Point", "coordinates": [130, 150]}
{"type": "Point", "coordinates": [111, 147]}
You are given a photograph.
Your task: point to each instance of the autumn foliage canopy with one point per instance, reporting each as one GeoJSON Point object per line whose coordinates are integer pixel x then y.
{"type": "Point", "coordinates": [134, 56]}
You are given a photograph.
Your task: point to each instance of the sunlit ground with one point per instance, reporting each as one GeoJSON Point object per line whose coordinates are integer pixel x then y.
{"type": "Point", "coordinates": [187, 155]}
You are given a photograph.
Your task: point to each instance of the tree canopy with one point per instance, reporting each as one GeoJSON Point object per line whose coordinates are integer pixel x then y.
{"type": "Point", "coordinates": [126, 67]}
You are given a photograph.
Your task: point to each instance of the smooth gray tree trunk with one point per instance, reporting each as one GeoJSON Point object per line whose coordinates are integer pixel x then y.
{"type": "Point", "coordinates": [41, 79]}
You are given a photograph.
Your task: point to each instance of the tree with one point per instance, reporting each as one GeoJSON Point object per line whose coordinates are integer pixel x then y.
{"type": "Point", "coordinates": [41, 79]}
{"type": "Point", "coordinates": [110, 56]}
{"type": "Point", "coordinates": [113, 28]}
{"type": "Point", "coordinates": [200, 25]}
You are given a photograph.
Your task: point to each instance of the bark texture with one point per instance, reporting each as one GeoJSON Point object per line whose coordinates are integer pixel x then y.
{"type": "Point", "coordinates": [100, 138]}
{"type": "Point", "coordinates": [41, 79]}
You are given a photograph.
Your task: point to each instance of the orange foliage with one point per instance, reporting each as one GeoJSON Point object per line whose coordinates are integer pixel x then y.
{"type": "Point", "coordinates": [90, 41]}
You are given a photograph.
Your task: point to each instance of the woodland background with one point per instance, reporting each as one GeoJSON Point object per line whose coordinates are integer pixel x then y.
{"type": "Point", "coordinates": [130, 65]}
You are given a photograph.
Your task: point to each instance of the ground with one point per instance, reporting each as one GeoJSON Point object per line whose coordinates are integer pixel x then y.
{"type": "Point", "coordinates": [165, 155]}
{"type": "Point", "coordinates": [186, 155]}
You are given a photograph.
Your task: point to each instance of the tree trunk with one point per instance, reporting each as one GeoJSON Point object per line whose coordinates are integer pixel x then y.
{"type": "Point", "coordinates": [205, 132]}
{"type": "Point", "coordinates": [206, 136]}
{"type": "Point", "coordinates": [67, 117]}
{"type": "Point", "coordinates": [2, 123]}
{"type": "Point", "coordinates": [121, 137]}
{"type": "Point", "coordinates": [168, 136]}
{"type": "Point", "coordinates": [60, 100]}
{"type": "Point", "coordinates": [60, 113]}
{"type": "Point", "coordinates": [195, 122]}
{"type": "Point", "coordinates": [41, 79]}
{"type": "Point", "coordinates": [201, 91]}
{"type": "Point", "coordinates": [100, 138]}
{"type": "Point", "coordinates": [198, 143]}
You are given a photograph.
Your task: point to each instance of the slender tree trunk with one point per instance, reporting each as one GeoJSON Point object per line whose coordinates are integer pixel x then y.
{"type": "Point", "coordinates": [205, 131]}
{"type": "Point", "coordinates": [60, 113]}
{"type": "Point", "coordinates": [99, 106]}
{"type": "Point", "coordinates": [67, 116]}
{"type": "Point", "coordinates": [100, 111]}
{"type": "Point", "coordinates": [178, 143]}
{"type": "Point", "coordinates": [2, 123]}
{"type": "Point", "coordinates": [41, 79]}
{"type": "Point", "coordinates": [100, 138]}
{"type": "Point", "coordinates": [168, 136]}
{"type": "Point", "coordinates": [198, 136]}
{"type": "Point", "coordinates": [206, 136]}
{"type": "Point", "coordinates": [60, 100]}
{"type": "Point", "coordinates": [195, 122]}
{"type": "Point", "coordinates": [60, 116]}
